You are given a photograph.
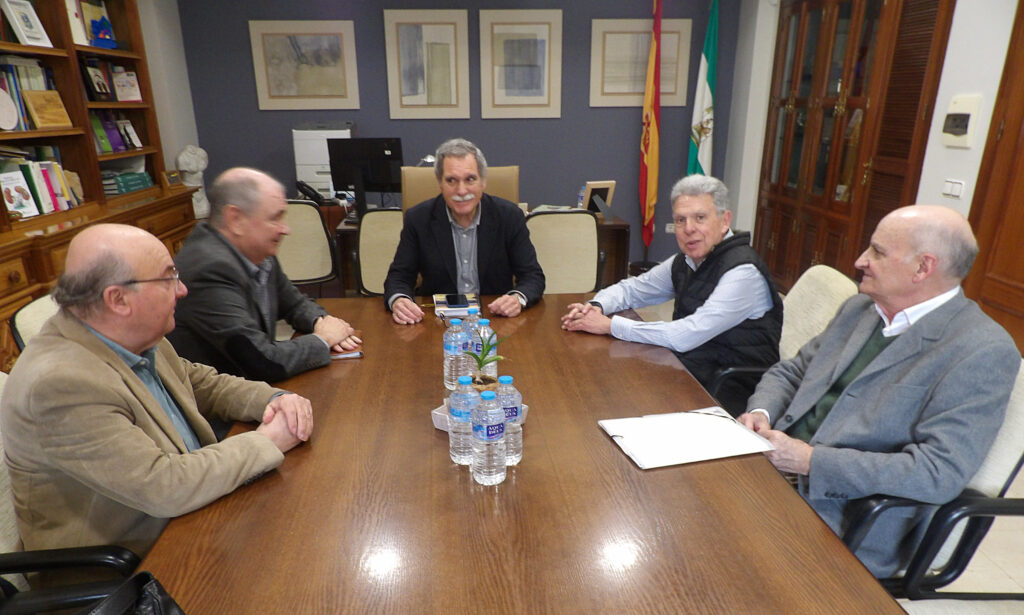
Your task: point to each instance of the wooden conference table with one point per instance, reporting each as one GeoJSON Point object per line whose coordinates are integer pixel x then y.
{"type": "Point", "coordinates": [371, 516]}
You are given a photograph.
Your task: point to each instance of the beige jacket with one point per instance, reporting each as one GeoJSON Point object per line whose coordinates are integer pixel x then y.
{"type": "Point", "coordinates": [94, 459]}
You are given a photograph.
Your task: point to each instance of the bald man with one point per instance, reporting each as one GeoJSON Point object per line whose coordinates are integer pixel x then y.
{"type": "Point", "coordinates": [105, 427]}
{"type": "Point", "coordinates": [238, 290]}
{"type": "Point", "coordinates": [902, 394]}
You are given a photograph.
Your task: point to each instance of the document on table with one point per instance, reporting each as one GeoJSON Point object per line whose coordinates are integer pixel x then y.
{"type": "Point", "coordinates": [658, 440]}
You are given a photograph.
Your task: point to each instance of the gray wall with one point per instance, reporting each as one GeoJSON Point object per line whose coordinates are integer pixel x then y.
{"type": "Point", "coordinates": [555, 156]}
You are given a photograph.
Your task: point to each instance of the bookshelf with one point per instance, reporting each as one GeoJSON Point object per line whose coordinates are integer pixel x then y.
{"type": "Point", "coordinates": [32, 249]}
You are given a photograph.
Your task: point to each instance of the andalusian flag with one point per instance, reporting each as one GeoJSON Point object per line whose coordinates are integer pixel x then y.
{"type": "Point", "coordinates": [704, 101]}
{"type": "Point", "coordinates": [649, 138]}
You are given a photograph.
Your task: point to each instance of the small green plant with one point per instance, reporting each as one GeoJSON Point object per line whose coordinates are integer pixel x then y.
{"type": "Point", "coordinates": [487, 346]}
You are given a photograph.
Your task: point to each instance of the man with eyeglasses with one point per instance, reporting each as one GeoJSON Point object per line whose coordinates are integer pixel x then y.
{"type": "Point", "coordinates": [238, 290]}
{"type": "Point", "coordinates": [106, 428]}
{"type": "Point", "coordinates": [463, 241]}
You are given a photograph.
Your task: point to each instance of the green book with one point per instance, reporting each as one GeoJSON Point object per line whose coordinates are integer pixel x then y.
{"type": "Point", "coordinates": [101, 135]}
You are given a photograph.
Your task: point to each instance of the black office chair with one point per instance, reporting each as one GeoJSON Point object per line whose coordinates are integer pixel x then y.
{"type": "Point", "coordinates": [14, 602]}
{"type": "Point", "coordinates": [958, 527]}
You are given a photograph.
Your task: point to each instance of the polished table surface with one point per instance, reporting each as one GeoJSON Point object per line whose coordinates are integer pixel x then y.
{"type": "Point", "coordinates": [371, 516]}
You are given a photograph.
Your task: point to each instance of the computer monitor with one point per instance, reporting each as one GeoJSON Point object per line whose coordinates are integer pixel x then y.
{"type": "Point", "coordinates": [597, 197]}
{"type": "Point", "coordinates": [361, 165]}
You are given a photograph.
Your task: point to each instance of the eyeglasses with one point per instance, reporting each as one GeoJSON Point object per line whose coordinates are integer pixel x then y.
{"type": "Point", "coordinates": [175, 276]}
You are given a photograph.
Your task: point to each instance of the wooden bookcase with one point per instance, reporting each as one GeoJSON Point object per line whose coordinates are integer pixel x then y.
{"type": "Point", "coordinates": [32, 250]}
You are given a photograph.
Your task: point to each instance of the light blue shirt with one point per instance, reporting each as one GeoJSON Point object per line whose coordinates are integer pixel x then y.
{"type": "Point", "coordinates": [145, 368]}
{"type": "Point", "coordinates": [741, 294]}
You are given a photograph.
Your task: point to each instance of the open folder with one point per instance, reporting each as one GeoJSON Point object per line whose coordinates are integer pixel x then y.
{"type": "Point", "coordinates": [658, 440]}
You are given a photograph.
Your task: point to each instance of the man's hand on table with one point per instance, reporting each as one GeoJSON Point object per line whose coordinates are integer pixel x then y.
{"type": "Point", "coordinates": [339, 335]}
{"type": "Point", "coordinates": [404, 311]}
{"type": "Point", "coordinates": [586, 317]}
{"type": "Point", "coordinates": [790, 454]}
{"type": "Point", "coordinates": [287, 421]}
{"type": "Point", "coordinates": [505, 305]}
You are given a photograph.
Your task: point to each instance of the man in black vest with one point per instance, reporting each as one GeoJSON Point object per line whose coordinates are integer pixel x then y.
{"type": "Point", "coordinates": [727, 309]}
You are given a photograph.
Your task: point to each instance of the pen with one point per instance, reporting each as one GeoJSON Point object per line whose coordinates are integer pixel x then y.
{"type": "Point", "coordinates": [355, 354]}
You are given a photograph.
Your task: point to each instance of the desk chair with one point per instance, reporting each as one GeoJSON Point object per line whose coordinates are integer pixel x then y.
{"type": "Point", "coordinates": [15, 595]}
{"type": "Point", "coordinates": [379, 232]}
{"type": "Point", "coordinates": [958, 527]}
{"type": "Point", "coordinates": [29, 319]}
{"type": "Point", "coordinates": [807, 310]}
{"type": "Point", "coordinates": [308, 254]}
{"type": "Point", "coordinates": [420, 184]}
{"type": "Point", "coordinates": [566, 244]}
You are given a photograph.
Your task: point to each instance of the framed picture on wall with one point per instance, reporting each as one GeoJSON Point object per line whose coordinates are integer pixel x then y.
{"type": "Point", "coordinates": [305, 64]}
{"type": "Point", "coordinates": [428, 63]}
{"type": "Point", "coordinates": [619, 49]}
{"type": "Point", "coordinates": [521, 63]}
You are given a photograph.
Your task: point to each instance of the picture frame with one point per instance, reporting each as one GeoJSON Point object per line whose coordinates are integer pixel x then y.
{"type": "Point", "coordinates": [619, 49]}
{"type": "Point", "coordinates": [171, 179]}
{"type": "Point", "coordinates": [428, 63]}
{"type": "Point", "coordinates": [304, 64]}
{"type": "Point", "coordinates": [26, 25]}
{"type": "Point", "coordinates": [521, 63]}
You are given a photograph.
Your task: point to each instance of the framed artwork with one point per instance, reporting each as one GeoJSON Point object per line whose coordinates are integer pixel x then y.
{"type": "Point", "coordinates": [521, 63]}
{"type": "Point", "coordinates": [305, 64]}
{"type": "Point", "coordinates": [618, 61]}
{"type": "Point", "coordinates": [428, 63]}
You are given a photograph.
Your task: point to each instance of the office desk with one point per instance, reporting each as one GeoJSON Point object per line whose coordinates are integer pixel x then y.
{"type": "Point", "coordinates": [371, 516]}
{"type": "Point", "coordinates": [612, 238]}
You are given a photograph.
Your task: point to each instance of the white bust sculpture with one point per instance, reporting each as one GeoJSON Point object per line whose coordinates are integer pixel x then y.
{"type": "Point", "coordinates": [192, 162]}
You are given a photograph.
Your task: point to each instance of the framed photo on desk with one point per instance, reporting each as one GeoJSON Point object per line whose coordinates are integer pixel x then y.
{"type": "Point", "coordinates": [305, 64]}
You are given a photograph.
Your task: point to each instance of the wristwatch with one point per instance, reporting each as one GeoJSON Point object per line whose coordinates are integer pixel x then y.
{"type": "Point", "coordinates": [522, 299]}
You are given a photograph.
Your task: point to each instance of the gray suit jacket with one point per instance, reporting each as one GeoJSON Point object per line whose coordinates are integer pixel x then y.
{"type": "Point", "coordinates": [916, 423]}
{"type": "Point", "coordinates": [220, 322]}
{"type": "Point", "coordinates": [93, 457]}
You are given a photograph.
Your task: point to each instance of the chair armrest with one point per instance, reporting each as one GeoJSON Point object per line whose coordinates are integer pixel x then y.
{"type": "Point", "coordinates": [724, 374]}
{"type": "Point", "coordinates": [52, 599]}
{"type": "Point", "coordinates": [113, 557]}
{"type": "Point", "coordinates": [864, 512]}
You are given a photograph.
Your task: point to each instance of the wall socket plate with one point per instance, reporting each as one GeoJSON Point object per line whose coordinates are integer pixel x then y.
{"type": "Point", "coordinates": [670, 228]}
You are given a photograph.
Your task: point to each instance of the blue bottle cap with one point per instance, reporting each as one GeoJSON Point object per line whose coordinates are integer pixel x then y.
{"type": "Point", "coordinates": [505, 379]}
{"type": "Point", "coordinates": [473, 311]}
{"type": "Point", "coordinates": [487, 395]}
{"type": "Point", "coordinates": [455, 321]}
{"type": "Point", "coordinates": [484, 322]}
{"type": "Point", "coordinates": [465, 380]}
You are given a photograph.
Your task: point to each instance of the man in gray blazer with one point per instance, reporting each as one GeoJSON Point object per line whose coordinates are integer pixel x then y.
{"type": "Point", "coordinates": [902, 394]}
{"type": "Point", "coordinates": [237, 290]}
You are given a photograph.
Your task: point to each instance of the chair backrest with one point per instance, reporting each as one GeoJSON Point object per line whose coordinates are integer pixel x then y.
{"type": "Point", "coordinates": [420, 184]}
{"type": "Point", "coordinates": [1003, 461]}
{"type": "Point", "coordinates": [10, 540]}
{"type": "Point", "coordinates": [810, 305]}
{"type": "Point", "coordinates": [566, 244]}
{"type": "Point", "coordinates": [307, 255]}
{"type": "Point", "coordinates": [29, 319]}
{"type": "Point", "coordinates": [379, 232]}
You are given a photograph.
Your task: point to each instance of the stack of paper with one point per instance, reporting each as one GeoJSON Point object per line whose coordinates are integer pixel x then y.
{"type": "Point", "coordinates": [658, 440]}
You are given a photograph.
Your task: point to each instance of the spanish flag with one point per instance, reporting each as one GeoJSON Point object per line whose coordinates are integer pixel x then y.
{"type": "Point", "coordinates": [649, 139]}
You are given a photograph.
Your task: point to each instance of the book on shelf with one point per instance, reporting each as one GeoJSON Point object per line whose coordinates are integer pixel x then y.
{"type": "Point", "coordinates": [97, 81]}
{"type": "Point", "coordinates": [25, 23]}
{"type": "Point", "coordinates": [99, 135]}
{"type": "Point", "coordinates": [9, 116]}
{"type": "Point", "coordinates": [97, 24]}
{"type": "Point", "coordinates": [46, 109]}
{"type": "Point", "coordinates": [17, 196]}
{"type": "Point", "coordinates": [126, 85]}
{"type": "Point", "coordinates": [60, 184]}
{"type": "Point", "coordinates": [126, 182]}
{"type": "Point", "coordinates": [78, 35]}
{"type": "Point", "coordinates": [37, 186]}
{"type": "Point", "coordinates": [74, 183]}
{"type": "Point", "coordinates": [128, 134]}
{"type": "Point", "coordinates": [9, 83]}
{"type": "Point", "coordinates": [110, 128]}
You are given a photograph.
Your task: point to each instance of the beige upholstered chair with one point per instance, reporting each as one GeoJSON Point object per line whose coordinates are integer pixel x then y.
{"type": "Point", "coordinates": [379, 232]}
{"type": "Point", "coordinates": [9, 539]}
{"type": "Point", "coordinates": [29, 319]}
{"type": "Point", "coordinates": [307, 254]}
{"type": "Point", "coordinates": [810, 306]}
{"type": "Point", "coordinates": [420, 184]}
{"type": "Point", "coordinates": [566, 244]}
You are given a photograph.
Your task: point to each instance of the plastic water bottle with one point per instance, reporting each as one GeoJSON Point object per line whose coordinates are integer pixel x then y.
{"type": "Point", "coordinates": [461, 403]}
{"type": "Point", "coordinates": [471, 322]}
{"type": "Point", "coordinates": [488, 441]}
{"type": "Point", "coordinates": [579, 197]}
{"type": "Point", "coordinates": [485, 333]}
{"type": "Point", "coordinates": [512, 403]}
{"type": "Point", "coordinates": [454, 361]}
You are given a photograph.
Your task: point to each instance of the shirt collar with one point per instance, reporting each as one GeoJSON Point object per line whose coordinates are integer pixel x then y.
{"type": "Point", "coordinates": [689, 261]}
{"type": "Point", "coordinates": [146, 360]}
{"type": "Point", "coordinates": [250, 268]}
{"type": "Point", "coordinates": [472, 225]}
{"type": "Point", "coordinates": [904, 319]}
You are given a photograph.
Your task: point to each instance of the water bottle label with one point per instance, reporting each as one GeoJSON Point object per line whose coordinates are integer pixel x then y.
{"type": "Point", "coordinates": [488, 432]}
{"type": "Point", "coordinates": [478, 347]}
{"type": "Point", "coordinates": [511, 412]}
{"type": "Point", "coordinates": [461, 415]}
{"type": "Point", "coordinates": [452, 347]}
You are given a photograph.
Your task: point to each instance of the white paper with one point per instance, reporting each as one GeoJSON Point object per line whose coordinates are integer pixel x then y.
{"type": "Point", "coordinates": [658, 440]}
